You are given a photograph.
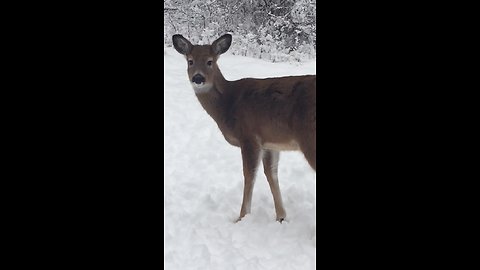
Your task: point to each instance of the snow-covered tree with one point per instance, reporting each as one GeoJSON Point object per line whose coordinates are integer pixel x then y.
{"type": "Point", "coordinates": [276, 30]}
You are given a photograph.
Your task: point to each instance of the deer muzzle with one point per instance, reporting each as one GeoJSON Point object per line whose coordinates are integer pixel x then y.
{"type": "Point", "coordinates": [198, 79]}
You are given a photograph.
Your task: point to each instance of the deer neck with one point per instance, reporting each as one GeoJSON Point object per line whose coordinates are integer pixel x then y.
{"type": "Point", "coordinates": [211, 100]}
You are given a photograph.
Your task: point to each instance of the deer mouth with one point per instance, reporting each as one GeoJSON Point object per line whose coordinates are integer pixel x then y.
{"type": "Point", "coordinates": [198, 85]}
{"type": "Point", "coordinates": [201, 87]}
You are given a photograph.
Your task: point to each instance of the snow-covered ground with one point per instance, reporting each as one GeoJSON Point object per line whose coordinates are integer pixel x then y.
{"type": "Point", "coordinates": [204, 185]}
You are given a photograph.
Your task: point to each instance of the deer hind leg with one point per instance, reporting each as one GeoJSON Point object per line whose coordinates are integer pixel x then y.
{"type": "Point", "coordinates": [311, 156]}
{"type": "Point", "coordinates": [270, 167]}
{"type": "Point", "coordinates": [309, 149]}
{"type": "Point", "coordinates": [251, 158]}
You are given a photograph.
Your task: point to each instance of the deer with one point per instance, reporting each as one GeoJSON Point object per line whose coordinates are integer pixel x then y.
{"type": "Point", "coordinates": [260, 116]}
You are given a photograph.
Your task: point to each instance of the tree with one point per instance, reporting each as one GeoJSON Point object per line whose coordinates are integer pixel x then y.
{"type": "Point", "coordinates": [270, 29]}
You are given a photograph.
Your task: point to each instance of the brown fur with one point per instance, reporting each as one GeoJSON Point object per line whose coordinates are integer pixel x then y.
{"type": "Point", "coordinates": [261, 116]}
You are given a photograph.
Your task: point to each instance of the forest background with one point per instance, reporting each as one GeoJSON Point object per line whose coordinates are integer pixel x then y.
{"type": "Point", "coordinates": [273, 30]}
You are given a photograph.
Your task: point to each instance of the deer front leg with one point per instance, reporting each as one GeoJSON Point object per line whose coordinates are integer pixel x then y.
{"type": "Point", "coordinates": [251, 158]}
{"type": "Point", "coordinates": [270, 167]}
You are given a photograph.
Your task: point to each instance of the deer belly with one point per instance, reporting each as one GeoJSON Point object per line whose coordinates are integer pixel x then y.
{"type": "Point", "coordinates": [287, 146]}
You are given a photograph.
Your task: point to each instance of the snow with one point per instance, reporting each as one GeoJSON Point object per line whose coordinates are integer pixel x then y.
{"type": "Point", "coordinates": [204, 184]}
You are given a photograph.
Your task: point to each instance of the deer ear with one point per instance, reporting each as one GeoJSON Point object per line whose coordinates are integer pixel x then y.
{"type": "Point", "coordinates": [181, 44]}
{"type": "Point", "coordinates": [222, 44]}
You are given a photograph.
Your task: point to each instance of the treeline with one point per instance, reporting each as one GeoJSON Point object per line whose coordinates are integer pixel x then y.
{"type": "Point", "coordinates": [276, 30]}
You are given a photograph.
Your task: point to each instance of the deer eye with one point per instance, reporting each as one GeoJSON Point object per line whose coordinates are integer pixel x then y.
{"type": "Point", "coordinates": [209, 63]}
{"type": "Point", "coordinates": [190, 62]}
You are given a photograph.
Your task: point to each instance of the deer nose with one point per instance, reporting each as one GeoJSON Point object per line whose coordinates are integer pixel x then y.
{"type": "Point", "coordinates": [198, 79]}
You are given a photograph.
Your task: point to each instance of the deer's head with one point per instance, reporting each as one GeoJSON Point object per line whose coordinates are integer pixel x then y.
{"type": "Point", "coordinates": [202, 60]}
